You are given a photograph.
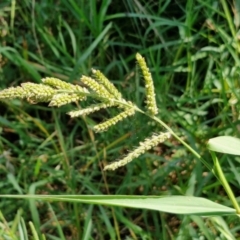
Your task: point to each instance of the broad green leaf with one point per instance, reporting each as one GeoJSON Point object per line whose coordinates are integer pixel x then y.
{"type": "Point", "coordinates": [225, 144]}
{"type": "Point", "coordinates": [170, 204]}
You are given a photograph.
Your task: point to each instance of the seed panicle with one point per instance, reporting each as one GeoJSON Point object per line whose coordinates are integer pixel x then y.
{"type": "Point", "coordinates": [59, 93]}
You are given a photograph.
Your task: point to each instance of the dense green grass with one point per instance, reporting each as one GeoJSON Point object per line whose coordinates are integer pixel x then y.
{"type": "Point", "coordinates": [192, 49]}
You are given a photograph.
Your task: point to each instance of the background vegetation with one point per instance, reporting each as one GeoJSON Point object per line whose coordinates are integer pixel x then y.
{"type": "Point", "coordinates": [192, 49]}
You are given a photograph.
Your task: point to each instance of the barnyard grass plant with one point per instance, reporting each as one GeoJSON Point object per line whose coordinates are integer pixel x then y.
{"type": "Point", "coordinates": [99, 88]}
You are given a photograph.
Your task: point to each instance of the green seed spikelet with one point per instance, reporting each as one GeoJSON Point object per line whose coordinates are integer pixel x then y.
{"type": "Point", "coordinates": [59, 84]}
{"type": "Point", "coordinates": [67, 92]}
{"type": "Point", "coordinates": [141, 149]}
{"type": "Point", "coordinates": [12, 92]}
{"type": "Point", "coordinates": [113, 121]}
{"type": "Point", "coordinates": [91, 109]}
{"type": "Point", "coordinates": [106, 83]}
{"type": "Point", "coordinates": [33, 92]}
{"type": "Point", "coordinates": [38, 92]}
{"type": "Point", "coordinates": [65, 98]}
{"type": "Point", "coordinates": [99, 89]}
{"type": "Point", "coordinates": [150, 93]}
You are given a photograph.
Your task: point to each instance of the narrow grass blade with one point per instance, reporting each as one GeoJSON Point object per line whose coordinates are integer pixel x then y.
{"type": "Point", "coordinates": [90, 49]}
{"type": "Point", "coordinates": [170, 204]}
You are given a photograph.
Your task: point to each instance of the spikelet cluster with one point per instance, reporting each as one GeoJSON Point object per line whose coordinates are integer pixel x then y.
{"type": "Point", "coordinates": [113, 121]}
{"type": "Point", "coordinates": [59, 84]}
{"type": "Point", "coordinates": [106, 83]}
{"type": "Point", "coordinates": [150, 93]}
{"type": "Point", "coordinates": [143, 147]}
{"type": "Point", "coordinates": [66, 93]}
{"type": "Point", "coordinates": [98, 87]}
{"type": "Point", "coordinates": [91, 109]}
{"type": "Point", "coordinates": [33, 92]}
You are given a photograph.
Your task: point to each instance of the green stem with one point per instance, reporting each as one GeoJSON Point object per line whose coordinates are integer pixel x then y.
{"type": "Point", "coordinates": [196, 154]}
{"type": "Point", "coordinates": [224, 182]}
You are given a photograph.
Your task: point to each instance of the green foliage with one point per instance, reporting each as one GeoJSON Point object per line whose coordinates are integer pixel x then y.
{"type": "Point", "coordinates": [192, 50]}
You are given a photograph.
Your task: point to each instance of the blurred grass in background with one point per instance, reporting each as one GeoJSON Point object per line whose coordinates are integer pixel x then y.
{"type": "Point", "coordinates": [192, 49]}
